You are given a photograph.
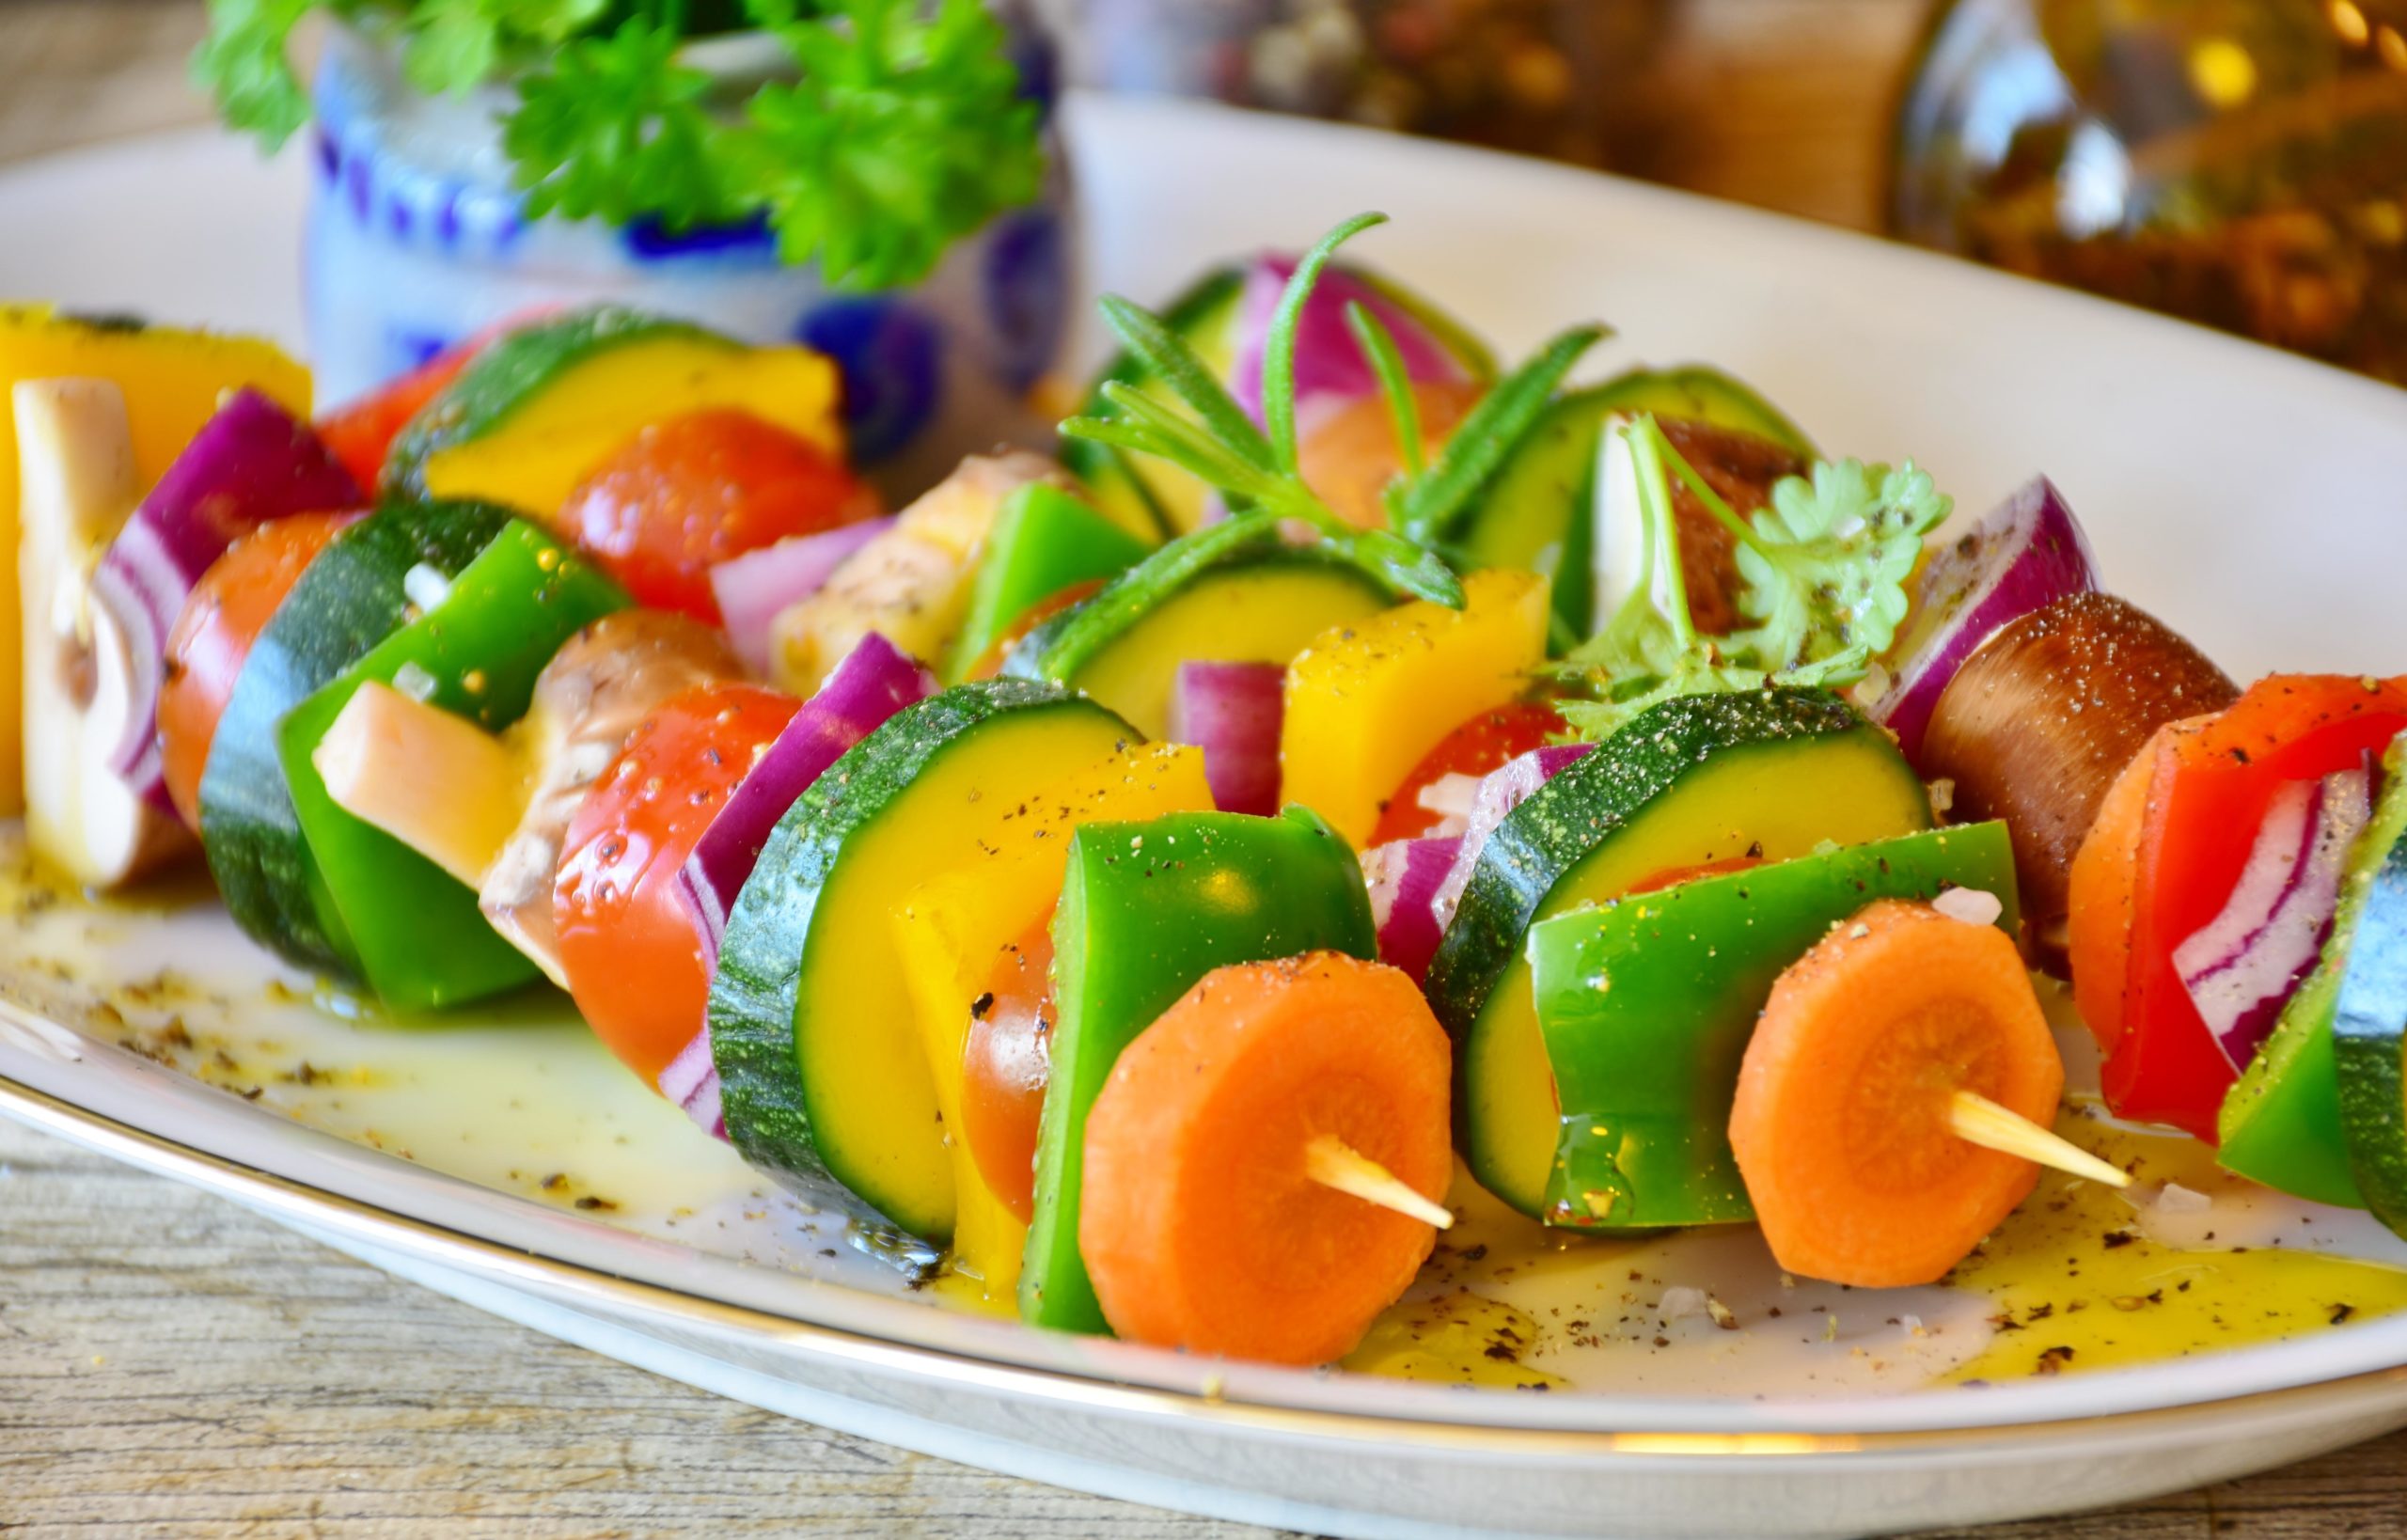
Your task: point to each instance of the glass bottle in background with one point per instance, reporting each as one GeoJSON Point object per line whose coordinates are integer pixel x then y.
{"type": "Point", "coordinates": [1559, 78]}
{"type": "Point", "coordinates": [2242, 163]}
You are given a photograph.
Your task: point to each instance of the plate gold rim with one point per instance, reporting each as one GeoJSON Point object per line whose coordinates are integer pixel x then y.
{"type": "Point", "coordinates": [575, 1285]}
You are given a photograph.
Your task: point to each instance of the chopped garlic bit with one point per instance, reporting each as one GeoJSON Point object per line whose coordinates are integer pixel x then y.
{"type": "Point", "coordinates": [1452, 797]}
{"type": "Point", "coordinates": [2173, 1198]}
{"type": "Point", "coordinates": [1913, 1326]}
{"type": "Point", "coordinates": [425, 588]}
{"type": "Point", "coordinates": [1680, 1301]}
{"type": "Point", "coordinates": [1943, 795]}
{"type": "Point", "coordinates": [1969, 904]}
{"type": "Point", "coordinates": [413, 680]}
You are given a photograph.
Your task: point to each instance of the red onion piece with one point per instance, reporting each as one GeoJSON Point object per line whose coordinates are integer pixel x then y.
{"type": "Point", "coordinates": [1501, 791]}
{"type": "Point", "coordinates": [751, 588]}
{"type": "Point", "coordinates": [1330, 366]}
{"type": "Point", "coordinates": [2241, 966]}
{"type": "Point", "coordinates": [691, 1081]}
{"type": "Point", "coordinates": [250, 462]}
{"type": "Point", "coordinates": [1404, 876]}
{"type": "Point", "coordinates": [1233, 711]}
{"type": "Point", "coordinates": [2025, 554]}
{"type": "Point", "coordinates": [873, 682]}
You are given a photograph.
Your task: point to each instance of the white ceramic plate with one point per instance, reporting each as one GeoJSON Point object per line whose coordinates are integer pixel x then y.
{"type": "Point", "coordinates": [2254, 499]}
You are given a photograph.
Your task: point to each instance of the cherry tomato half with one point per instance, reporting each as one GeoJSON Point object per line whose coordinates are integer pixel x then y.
{"type": "Point", "coordinates": [687, 493]}
{"type": "Point", "coordinates": [1006, 1065]}
{"type": "Point", "coordinates": [1489, 741]}
{"type": "Point", "coordinates": [633, 958]}
{"type": "Point", "coordinates": [229, 606]}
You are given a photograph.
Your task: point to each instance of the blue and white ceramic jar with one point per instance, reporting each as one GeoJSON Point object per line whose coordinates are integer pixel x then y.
{"type": "Point", "coordinates": [418, 239]}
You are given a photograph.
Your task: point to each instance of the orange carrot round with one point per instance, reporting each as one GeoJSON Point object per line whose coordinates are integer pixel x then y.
{"type": "Point", "coordinates": [1199, 1224]}
{"type": "Point", "coordinates": [1841, 1125]}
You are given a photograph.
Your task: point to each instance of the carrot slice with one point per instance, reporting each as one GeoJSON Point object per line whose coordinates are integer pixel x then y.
{"type": "Point", "coordinates": [1841, 1125]}
{"type": "Point", "coordinates": [2103, 881]}
{"type": "Point", "coordinates": [1199, 1224]}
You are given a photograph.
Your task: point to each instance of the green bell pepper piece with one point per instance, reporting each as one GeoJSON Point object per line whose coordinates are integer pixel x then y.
{"type": "Point", "coordinates": [419, 938]}
{"type": "Point", "coordinates": [1646, 1005]}
{"type": "Point", "coordinates": [2280, 1124]}
{"type": "Point", "coordinates": [1044, 541]}
{"type": "Point", "coordinates": [1147, 910]}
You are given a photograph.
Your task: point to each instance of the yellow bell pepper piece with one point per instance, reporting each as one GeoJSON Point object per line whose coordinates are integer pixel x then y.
{"type": "Point", "coordinates": [172, 382]}
{"type": "Point", "coordinates": [535, 457]}
{"type": "Point", "coordinates": [1367, 702]}
{"type": "Point", "coordinates": [951, 932]}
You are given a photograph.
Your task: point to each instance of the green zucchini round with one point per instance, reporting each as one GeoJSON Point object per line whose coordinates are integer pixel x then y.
{"type": "Point", "coordinates": [351, 598]}
{"type": "Point", "coordinates": [2369, 1042]}
{"type": "Point", "coordinates": [512, 371]}
{"type": "Point", "coordinates": [824, 1077]}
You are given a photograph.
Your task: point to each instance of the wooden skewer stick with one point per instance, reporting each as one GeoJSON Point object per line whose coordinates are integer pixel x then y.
{"type": "Point", "coordinates": [1333, 1163]}
{"type": "Point", "coordinates": [1979, 1120]}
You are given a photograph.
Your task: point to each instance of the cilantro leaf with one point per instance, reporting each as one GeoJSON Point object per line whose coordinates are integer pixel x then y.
{"type": "Point", "coordinates": [1827, 566]}
{"type": "Point", "coordinates": [243, 64]}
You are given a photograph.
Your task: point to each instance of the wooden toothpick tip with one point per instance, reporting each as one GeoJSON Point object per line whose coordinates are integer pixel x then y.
{"type": "Point", "coordinates": [1333, 1163]}
{"type": "Point", "coordinates": [1979, 1120]}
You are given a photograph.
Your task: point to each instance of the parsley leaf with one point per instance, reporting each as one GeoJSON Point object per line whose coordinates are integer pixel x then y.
{"type": "Point", "coordinates": [903, 133]}
{"type": "Point", "coordinates": [617, 129]}
{"type": "Point", "coordinates": [903, 129]}
{"type": "Point", "coordinates": [455, 45]}
{"type": "Point", "coordinates": [243, 64]}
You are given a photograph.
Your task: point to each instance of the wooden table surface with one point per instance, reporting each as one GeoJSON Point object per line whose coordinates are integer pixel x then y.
{"type": "Point", "coordinates": [172, 1366]}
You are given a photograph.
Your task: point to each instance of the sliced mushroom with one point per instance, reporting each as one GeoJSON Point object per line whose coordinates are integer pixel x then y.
{"type": "Point", "coordinates": [77, 486]}
{"type": "Point", "coordinates": [2037, 724]}
{"type": "Point", "coordinates": [608, 678]}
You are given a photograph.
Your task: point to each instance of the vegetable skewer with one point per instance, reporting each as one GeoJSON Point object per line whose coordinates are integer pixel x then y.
{"type": "Point", "coordinates": [1333, 1163]}
{"type": "Point", "coordinates": [1977, 1120]}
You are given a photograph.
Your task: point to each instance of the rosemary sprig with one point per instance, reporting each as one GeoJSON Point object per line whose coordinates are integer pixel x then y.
{"type": "Point", "coordinates": [1256, 468]}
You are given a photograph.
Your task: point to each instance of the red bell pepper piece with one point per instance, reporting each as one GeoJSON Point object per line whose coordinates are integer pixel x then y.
{"type": "Point", "coordinates": [2165, 1065]}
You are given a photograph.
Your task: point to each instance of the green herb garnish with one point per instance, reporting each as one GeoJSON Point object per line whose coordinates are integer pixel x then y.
{"type": "Point", "coordinates": [1825, 567]}
{"type": "Point", "coordinates": [1255, 468]}
{"type": "Point", "coordinates": [904, 130]}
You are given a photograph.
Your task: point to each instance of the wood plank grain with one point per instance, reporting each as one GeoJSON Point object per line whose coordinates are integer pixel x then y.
{"type": "Point", "coordinates": [171, 1365]}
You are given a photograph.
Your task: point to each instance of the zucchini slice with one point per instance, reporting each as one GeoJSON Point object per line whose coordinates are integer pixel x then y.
{"type": "Point", "coordinates": [1232, 593]}
{"type": "Point", "coordinates": [351, 598]}
{"type": "Point", "coordinates": [537, 410]}
{"type": "Point", "coordinates": [1699, 779]}
{"type": "Point", "coordinates": [824, 1080]}
{"type": "Point", "coordinates": [2370, 1039]}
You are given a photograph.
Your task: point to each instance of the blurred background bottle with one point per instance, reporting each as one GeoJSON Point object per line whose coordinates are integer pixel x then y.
{"type": "Point", "coordinates": [1562, 78]}
{"type": "Point", "coordinates": [2242, 163]}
